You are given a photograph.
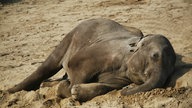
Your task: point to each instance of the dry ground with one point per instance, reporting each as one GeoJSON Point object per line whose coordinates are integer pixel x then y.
{"type": "Point", "coordinates": [30, 29]}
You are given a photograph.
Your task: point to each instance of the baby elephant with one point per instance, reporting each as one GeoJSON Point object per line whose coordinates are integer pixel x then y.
{"type": "Point", "coordinates": [100, 55]}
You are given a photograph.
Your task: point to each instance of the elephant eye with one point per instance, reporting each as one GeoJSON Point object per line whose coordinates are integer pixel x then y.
{"type": "Point", "coordinates": [155, 55]}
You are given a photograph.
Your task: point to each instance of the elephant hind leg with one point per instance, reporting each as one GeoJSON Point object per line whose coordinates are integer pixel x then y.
{"type": "Point", "coordinates": [48, 68]}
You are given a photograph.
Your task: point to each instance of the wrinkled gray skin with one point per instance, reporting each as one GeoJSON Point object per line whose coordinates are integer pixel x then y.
{"type": "Point", "coordinates": [100, 55]}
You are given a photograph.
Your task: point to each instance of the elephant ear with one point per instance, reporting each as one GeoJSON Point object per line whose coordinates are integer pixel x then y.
{"type": "Point", "coordinates": [136, 68]}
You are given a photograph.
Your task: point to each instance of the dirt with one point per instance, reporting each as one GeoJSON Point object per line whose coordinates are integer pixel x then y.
{"type": "Point", "coordinates": [30, 30]}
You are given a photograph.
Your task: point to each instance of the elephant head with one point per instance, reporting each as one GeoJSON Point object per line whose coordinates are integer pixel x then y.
{"type": "Point", "coordinates": [151, 64]}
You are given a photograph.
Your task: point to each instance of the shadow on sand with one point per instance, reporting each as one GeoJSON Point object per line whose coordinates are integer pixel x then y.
{"type": "Point", "coordinates": [181, 68]}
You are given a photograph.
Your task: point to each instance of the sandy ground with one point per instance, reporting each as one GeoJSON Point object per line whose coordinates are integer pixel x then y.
{"type": "Point", "coordinates": [30, 30]}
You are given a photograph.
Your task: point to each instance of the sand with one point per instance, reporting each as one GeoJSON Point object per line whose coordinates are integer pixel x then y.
{"type": "Point", "coordinates": [30, 30]}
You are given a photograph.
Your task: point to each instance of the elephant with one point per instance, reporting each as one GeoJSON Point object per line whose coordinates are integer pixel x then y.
{"type": "Point", "coordinates": [100, 55]}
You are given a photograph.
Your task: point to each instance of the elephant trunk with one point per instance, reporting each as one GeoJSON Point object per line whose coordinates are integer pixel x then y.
{"type": "Point", "coordinates": [156, 80]}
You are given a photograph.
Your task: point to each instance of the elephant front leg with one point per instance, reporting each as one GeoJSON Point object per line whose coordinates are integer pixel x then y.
{"type": "Point", "coordinates": [84, 92]}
